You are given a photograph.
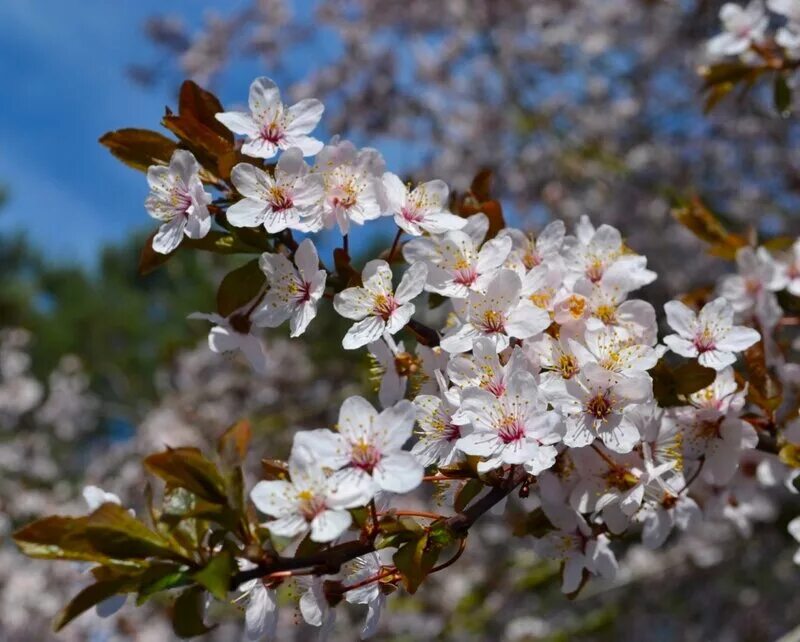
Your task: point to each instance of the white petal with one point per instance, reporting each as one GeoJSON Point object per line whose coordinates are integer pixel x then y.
{"type": "Point", "coordinates": [412, 283]}
{"type": "Point", "coordinates": [398, 473]}
{"type": "Point", "coordinates": [364, 332]}
{"type": "Point", "coordinates": [329, 524]}
{"type": "Point", "coordinates": [239, 123]}
{"type": "Point", "coordinates": [274, 498]}
{"type": "Point", "coordinates": [681, 318]}
{"type": "Point", "coordinates": [169, 235]}
{"type": "Point", "coordinates": [261, 615]}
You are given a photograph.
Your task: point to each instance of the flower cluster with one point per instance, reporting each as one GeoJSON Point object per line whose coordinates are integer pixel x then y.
{"type": "Point", "coordinates": [539, 373]}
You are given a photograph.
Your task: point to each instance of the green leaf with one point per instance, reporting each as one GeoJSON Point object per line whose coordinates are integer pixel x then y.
{"type": "Point", "coordinates": [691, 377]}
{"type": "Point", "coordinates": [415, 560]}
{"type": "Point", "coordinates": [89, 597]}
{"type": "Point", "coordinates": [467, 493]}
{"type": "Point", "coordinates": [239, 287]}
{"type": "Point", "coordinates": [113, 531]}
{"type": "Point", "coordinates": [216, 575]}
{"type": "Point", "coordinates": [782, 95]}
{"type": "Point", "coordinates": [57, 537]}
{"type": "Point", "coordinates": [161, 577]}
{"type": "Point", "coordinates": [139, 148]}
{"type": "Point", "coordinates": [187, 613]}
{"type": "Point", "coordinates": [232, 446]}
{"type": "Point", "coordinates": [187, 468]}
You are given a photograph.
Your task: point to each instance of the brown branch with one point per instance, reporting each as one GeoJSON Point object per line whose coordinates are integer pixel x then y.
{"type": "Point", "coordinates": [332, 559]}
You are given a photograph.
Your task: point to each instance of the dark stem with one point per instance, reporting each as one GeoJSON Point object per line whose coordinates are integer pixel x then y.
{"type": "Point", "coordinates": [394, 246]}
{"type": "Point", "coordinates": [331, 560]}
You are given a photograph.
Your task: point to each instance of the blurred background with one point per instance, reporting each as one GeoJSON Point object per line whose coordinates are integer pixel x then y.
{"type": "Point", "coordinates": [579, 107]}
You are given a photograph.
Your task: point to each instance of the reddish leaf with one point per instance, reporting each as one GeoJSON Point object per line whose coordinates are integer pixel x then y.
{"type": "Point", "coordinates": [139, 148]}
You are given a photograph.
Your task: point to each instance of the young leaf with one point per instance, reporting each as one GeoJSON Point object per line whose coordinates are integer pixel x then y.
{"type": "Point", "coordinates": [415, 560]}
{"type": "Point", "coordinates": [239, 287]}
{"type": "Point", "coordinates": [139, 148]}
{"type": "Point", "coordinates": [56, 537]}
{"type": "Point", "coordinates": [187, 613]}
{"type": "Point", "coordinates": [89, 597]}
{"type": "Point", "coordinates": [232, 446]}
{"type": "Point", "coordinates": [187, 468]}
{"type": "Point", "coordinates": [467, 493]}
{"type": "Point", "coordinates": [161, 577]}
{"type": "Point", "coordinates": [216, 575]}
{"type": "Point", "coordinates": [113, 531]}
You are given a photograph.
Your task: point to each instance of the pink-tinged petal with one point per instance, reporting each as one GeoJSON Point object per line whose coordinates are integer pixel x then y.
{"type": "Point", "coordinates": [260, 148]}
{"type": "Point", "coordinates": [442, 222]}
{"type": "Point", "coordinates": [396, 192]}
{"type": "Point", "coordinates": [197, 226]}
{"type": "Point", "coordinates": [239, 123]}
{"type": "Point", "coordinates": [572, 575]}
{"type": "Point", "coordinates": [329, 525]}
{"type": "Point", "coordinates": [412, 283]}
{"type": "Point", "coordinates": [306, 144]}
{"type": "Point", "coordinates": [377, 276]}
{"type": "Point", "coordinates": [304, 116]}
{"type": "Point", "coordinates": [350, 487]}
{"type": "Point", "coordinates": [716, 359]}
{"type": "Point", "coordinates": [527, 320]}
{"type": "Point", "coordinates": [264, 95]}
{"type": "Point", "coordinates": [398, 473]}
{"type": "Point", "coordinates": [399, 318]}
{"type": "Point", "coordinates": [681, 346]}
{"type": "Point", "coordinates": [353, 303]}
{"type": "Point", "coordinates": [397, 423]}
{"type": "Point", "coordinates": [288, 526]}
{"type": "Point", "coordinates": [330, 449]}
{"type": "Point", "coordinates": [657, 527]}
{"type": "Point", "coordinates": [273, 498]}
{"type": "Point", "coordinates": [738, 339]}
{"type": "Point", "coordinates": [261, 615]}
{"type": "Point", "coordinates": [307, 259]}
{"type": "Point", "coordinates": [247, 213]}
{"type": "Point", "coordinates": [493, 254]}
{"type": "Point", "coordinates": [357, 418]}
{"type": "Point", "coordinates": [681, 318]}
{"type": "Point", "coordinates": [363, 332]}
{"type": "Point", "coordinates": [251, 182]}
{"type": "Point", "coordinates": [301, 317]}
{"type": "Point", "coordinates": [184, 165]}
{"type": "Point", "coordinates": [716, 313]}
{"type": "Point", "coordinates": [169, 235]}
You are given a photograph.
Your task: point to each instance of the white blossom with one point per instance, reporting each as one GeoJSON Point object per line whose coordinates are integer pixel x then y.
{"type": "Point", "coordinates": [742, 27]}
{"type": "Point", "coordinates": [272, 126]}
{"type": "Point", "coordinates": [422, 209]}
{"type": "Point", "coordinates": [178, 199]}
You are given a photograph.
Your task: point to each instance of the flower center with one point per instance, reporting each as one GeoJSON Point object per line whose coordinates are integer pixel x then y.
{"type": "Point", "coordinates": [594, 270]}
{"type": "Point", "coordinates": [412, 214]}
{"type": "Point", "coordinates": [280, 200]}
{"type": "Point", "coordinates": [383, 306]}
{"type": "Point", "coordinates": [465, 274]}
{"type": "Point", "coordinates": [300, 291]}
{"type": "Point", "coordinates": [365, 456]}
{"type": "Point", "coordinates": [493, 322]}
{"type": "Point", "coordinates": [311, 504]}
{"type": "Point", "coordinates": [406, 364]}
{"type": "Point", "coordinates": [511, 429]}
{"type": "Point", "coordinates": [272, 133]}
{"type": "Point", "coordinates": [704, 341]}
{"type": "Point", "coordinates": [606, 313]}
{"type": "Point", "coordinates": [180, 199]}
{"type": "Point", "coordinates": [568, 366]}
{"type": "Point", "coordinates": [599, 406]}
{"type": "Point", "coordinates": [576, 305]}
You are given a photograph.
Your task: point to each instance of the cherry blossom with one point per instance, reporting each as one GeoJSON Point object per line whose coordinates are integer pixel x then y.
{"type": "Point", "coordinates": [438, 433]}
{"type": "Point", "coordinates": [369, 594]}
{"type": "Point", "coordinates": [742, 26]}
{"type": "Point", "coordinates": [286, 200]}
{"type": "Point", "coordinates": [367, 450]}
{"type": "Point", "coordinates": [178, 199]}
{"type": "Point", "coordinates": [528, 251]}
{"type": "Point", "coordinates": [261, 611]}
{"type": "Point", "coordinates": [272, 126]}
{"type": "Point", "coordinates": [421, 209]}
{"type": "Point", "coordinates": [500, 314]}
{"type": "Point", "coordinates": [294, 290]}
{"type": "Point", "coordinates": [232, 334]}
{"type": "Point", "coordinates": [515, 428]}
{"type": "Point", "coordinates": [353, 191]}
{"type": "Point", "coordinates": [311, 502]}
{"type": "Point", "coordinates": [710, 335]}
{"type": "Point", "coordinates": [376, 306]}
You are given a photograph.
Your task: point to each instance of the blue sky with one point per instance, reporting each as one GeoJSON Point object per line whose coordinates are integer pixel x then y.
{"type": "Point", "coordinates": [63, 65]}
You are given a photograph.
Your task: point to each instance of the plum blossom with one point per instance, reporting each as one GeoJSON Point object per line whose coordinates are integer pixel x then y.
{"type": "Point", "coordinates": [421, 209]}
{"type": "Point", "coordinates": [515, 428]}
{"type": "Point", "coordinates": [500, 315]}
{"type": "Point", "coordinates": [710, 335]}
{"type": "Point", "coordinates": [315, 609]}
{"type": "Point", "coordinates": [261, 610]}
{"type": "Point", "coordinates": [376, 307]}
{"type": "Point", "coordinates": [483, 369]}
{"type": "Point", "coordinates": [438, 433]}
{"type": "Point", "coordinates": [456, 266]}
{"type": "Point", "coordinates": [272, 126]}
{"type": "Point", "coordinates": [397, 370]}
{"type": "Point", "coordinates": [286, 200]}
{"type": "Point", "coordinates": [753, 289]}
{"type": "Point", "coordinates": [370, 594]}
{"type": "Point", "coordinates": [367, 450]}
{"type": "Point", "coordinates": [294, 290]}
{"type": "Point", "coordinates": [597, 403]}
{"type": "Point", "coordinates": [311, 502]}
{"type": "Point", "coordinates": [742, 27]}
{"type": "Point", "coordinates": [353, 191]}
{"type": "Point", "coordinates": [178, 199]}
{"type": "Point", "coordinates": [528, 251]}
{"type": "Point", "coordinates": [575, 545]}
{"type": "Point", "coordinates": [788, 36]}
{"type": "Point", "coordinates": [234, 333]}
